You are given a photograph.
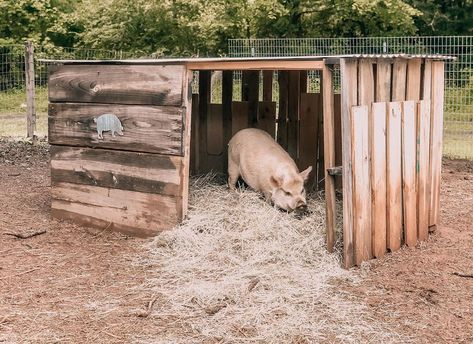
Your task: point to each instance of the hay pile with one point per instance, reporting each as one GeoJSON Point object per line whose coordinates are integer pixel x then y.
{"type": "Point", "coordinates": [239, 270]}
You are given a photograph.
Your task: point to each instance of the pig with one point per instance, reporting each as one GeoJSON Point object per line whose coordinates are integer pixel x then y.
{"type": "Point", "coordinates": [266, 167]}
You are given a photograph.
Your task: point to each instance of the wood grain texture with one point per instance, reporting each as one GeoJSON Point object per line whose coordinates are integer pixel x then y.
{"type": "Point", "coordinates": [329, 154]}
{"type": "Point", "coordinates": [135, 213]}
{"type": "Point", "coordinates": [283, 80]}
{"type": "Point", "coordinates": [215, 129]}
{"type": "Point", "coordinates": [320, 162]}
{"type": "Point", "coordinates": [267, 117]}
{"type": "Point", "coordinates": [337, 113]}
{"type": "Point", "coordinates": [154, 129]}
{"type": "Point", "coordinates": [409, 192]}
{"type": "Point", "coordinates": [378, 178]}
{"type": "Point", "coordinates": [361, 184]}
{"type": "Point", "coordinates": [348, 73]}
{"type": "Point", "coordinates": [142, 172]}
{"type": "Point", "coordinates": [423, 139]}
{"type": "Point", "coordinates": [366, 82]}
{"type": "Point", "coordinates": [393, 177]}
{"type": "Point", "coordinates": [117, 84]}
{"type": "Point", "coordinates": [383, 80]}
{"type": "Point", "coordinates": [184, 172]}
{"type": "Point", "coordinates": [239, 116]}
{"type": "Point", "coordinates": [30, 89]}
{"type": "Point", "coordinates": [426, 80]}
{"type": "Point", "coordinates": [250, 93]}
{"type": "Point", "coordinates": [293, 114]}
{"type": "Point", "coordinates": [399, 80]}
{"type": "Point", "coordinates": [256, 65]}
{"type": "Point", "coordinates": [227, 98]}
{"type": "Point", "coordinates": [413, 79]}
{"type": "Point", "coordinates": [204, 100]}
{"type": "Point", "coordinates": [195, 135]}
{"type": "Point", "coordinates": [436, 127]}
{"type": "Point", "coordinates": [268, 85]}
{"type": "Point", "coordinates": [308, 139]}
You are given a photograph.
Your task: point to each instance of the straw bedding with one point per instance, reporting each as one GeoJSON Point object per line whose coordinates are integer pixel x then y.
{"type": "Point", "coordinates": [239, 270]}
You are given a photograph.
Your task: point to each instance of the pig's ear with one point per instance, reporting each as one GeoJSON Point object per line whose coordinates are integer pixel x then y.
{"type": "Point", "coordinates": [305, 174]}
{"type": "Point", "coordinates": [276, 181]}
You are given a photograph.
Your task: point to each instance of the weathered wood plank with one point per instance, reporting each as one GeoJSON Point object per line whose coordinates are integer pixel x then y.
{"type": "Point", "coordinates": [268, 85]}
{"type": "Point", "coordinates": [282, 65]}
{"type": "Point", "coordinates": [215, 129]}
{"type": "Point", "coordinates": [204, 100]}
{"type": "Point", "coordinates": [320, 162]}
{"type": "Point", "coordinates": [239, 116]}
{"type": "Point", "coordinates": [361, 184]}
{"type": "Point", "coordinates": [378, 178]}
{"type": "Point", "coordinates": [383, 80]}
{"type": "Point", "coordinates": [184, 173]}
{"type": "Point", "coordinates": [337, 123]}
{"type": "Point", "coordinates": [436, 127]}
{"type": "Point", "coordinates": [413, 79]}
{"type": "Point", "coordinates": [399, 80]}
{"type": "Point", "coordinates": [136, 213]}
{"type": "Point", "coordinates": [426, 80]}
{"type": "Point", "coordinates": [142, 172]}
{"type": "Point", "coordinates": [366, 82]}
{"type": "Point", "coordinates": [293, 114]}
{"type": "Point", "coordinates": [308, 139]}
{"type": "Point", "coordinates": [267, 117]}
{"type": "Point", "coordinates": [303, 81]}
{"type": "Point", "coordinates": [423, 169]}
{"type": "Point", "coordinates": [329, 154]}
{"type": "Point", "coordinates": [409, 193]}
{"type": "Point", "coordinates": [250, 93]}
{"type": "Point", "coordinates": [348, 71]}
{"type": "Point", "coordinates": [283, 80]}
{"type": "Point", "coordinates": [145, 128]}
{"type": "Point", "coordinates": [30, 90]}
{"type": "Point", "coordinates": [227, 98]}
{"type": "Point", "coordinates": [393, 177]}
{"type": "Point", "coordinates": [117, 84]}
{"type": "Point", "coordinates": [195, 135]}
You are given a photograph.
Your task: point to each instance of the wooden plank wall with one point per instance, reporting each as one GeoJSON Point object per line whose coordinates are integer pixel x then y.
{"type": "Point", "coordinates": [299, 121]}
{"type": "Point", "coordinates": [394, 145]}
{"type": "Point", "coordinates": [135, 182]}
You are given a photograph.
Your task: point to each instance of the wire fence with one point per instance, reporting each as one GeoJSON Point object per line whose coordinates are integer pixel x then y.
{"type": "Point", "coordinates": [458, 124]}
{"type": "Point", "coordinates": [13, 97]}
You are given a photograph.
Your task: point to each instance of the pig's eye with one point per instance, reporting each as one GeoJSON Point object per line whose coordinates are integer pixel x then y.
{"type": "Point", "coordinates": [287, 193]}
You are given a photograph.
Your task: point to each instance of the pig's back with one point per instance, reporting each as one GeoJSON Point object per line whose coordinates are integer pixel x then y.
{"type": "Point", "coordinates": [259, 156]}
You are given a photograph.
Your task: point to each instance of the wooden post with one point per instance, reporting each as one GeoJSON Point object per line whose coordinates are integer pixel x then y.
{"type": "Point", "coordinates": [423, 139]}
{"type": "Point", "coordinates": [250, 93]}
{"type": "Point", "coordinates": [268, 85]}
{"type": "Point", "coordinates": [293, 114]}
{"type": "Point", "coordinates": [227, 94]}
{"type": "Point", "coordinates": [348, 72]}
{"type": "Point", "coordinates": [186, 137]}
{"type": "Point", "coordinates": [283, 79]}
{"type": "Point", "coordinates": [329, 154]}
{"type": "Point", "coordinates": [204, 99]}
{"type": "Point", "coordinates": [30, 90]}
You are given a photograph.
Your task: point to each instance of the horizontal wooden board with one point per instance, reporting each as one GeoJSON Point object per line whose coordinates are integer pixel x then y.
{"type": "Point", "coordinates": [115, 84]}
{"type": "Point", "coordinates": [145, 128]}
{"type": "Point", "coordinates": [143, 172]}
{"type": "Point", "coordinates": [135, 213]}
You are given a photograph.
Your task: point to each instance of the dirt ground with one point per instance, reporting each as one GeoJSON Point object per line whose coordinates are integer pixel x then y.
{"type": "Point", "coordinates": [77, 285]}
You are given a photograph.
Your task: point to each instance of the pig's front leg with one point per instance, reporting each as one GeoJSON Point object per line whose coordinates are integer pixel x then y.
{"type": "Point", "coordinates": [267, 196]}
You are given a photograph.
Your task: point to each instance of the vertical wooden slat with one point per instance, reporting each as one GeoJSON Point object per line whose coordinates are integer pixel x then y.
{"type": "Point", "coordinates": [239, 116]}
{"type": "Point", "coordinates": [283, 79]}
{"type": "Point", "coordinates": [308, 134]}
{"type": "Point", "coordinates": [195, 135]}
{"type": "Point", "coordinates": [293, 114]}
{"type": "Point", "coordinates": [186, 137]}
{"type": "Point", "coordinates": [413, 79]}
{"type": "Point", "coordinates": [393, 177]}
{"type": "Point", "coordinates": [303, 81]}
{"type": "Point", "coordinates": [215, 130]}
{"type": "Point", "coordinates": [204, 99]}
{"type": "Point", "coordinates": [337, 111]}
{"type": "Point", "coordinates": [267, 85]}
{"type": "Point", "coordinates": [320, 163]}
{"type": "Point", "coordinates": [365, 82]}
{"type": "Point", "coordinates": [253, 98]}
{"type": "Point", "coordinates": [361, 184]}
{"type": "Point", "coordinates": [329, 153]}
{"type": "Point", "coordinates": [30, 90]}
{"type": "Point", "coordinates": [383, 80]}
{"type": "Point", "coordinates": [227, 96]}
{"type": "Point", "coordinates": [436, 131]}
{"type": "Point", "coordinates": [267, 117]}
{"type": "Point", "coordinates": [409, 194]}
{"type": "Point", "coordinates": [378, 178]}
{"type": "Point", "coordinates": [426, 80]}
{"type": "Point", "coordinates": [399, 80]}
{"type": "Point", "coordinates": [348, 73]}
{"type": "Point", "coordinates": [423, 169]}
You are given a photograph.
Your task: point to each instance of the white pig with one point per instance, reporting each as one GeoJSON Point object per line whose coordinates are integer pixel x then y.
{"type": "Point", "coordinates": [266, 167]}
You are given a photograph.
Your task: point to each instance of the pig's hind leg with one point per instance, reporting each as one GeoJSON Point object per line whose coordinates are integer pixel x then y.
{"type": "Point", "coordinates": [233, 174]}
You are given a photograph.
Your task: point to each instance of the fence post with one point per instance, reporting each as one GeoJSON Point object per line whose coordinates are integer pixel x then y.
{"type": "Point", "coordinates": [30, 90]}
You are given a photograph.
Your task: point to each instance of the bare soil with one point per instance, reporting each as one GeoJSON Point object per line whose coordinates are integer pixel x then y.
{"type": "Point", "coordinates": [78, 285]}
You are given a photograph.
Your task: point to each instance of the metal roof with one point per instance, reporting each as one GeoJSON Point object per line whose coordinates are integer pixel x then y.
{"type": "Point", "coordinates": [333, 59]}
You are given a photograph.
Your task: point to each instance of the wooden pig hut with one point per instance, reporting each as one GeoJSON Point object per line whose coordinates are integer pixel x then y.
{"type": "Point", "coordinates": [378, 128]}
